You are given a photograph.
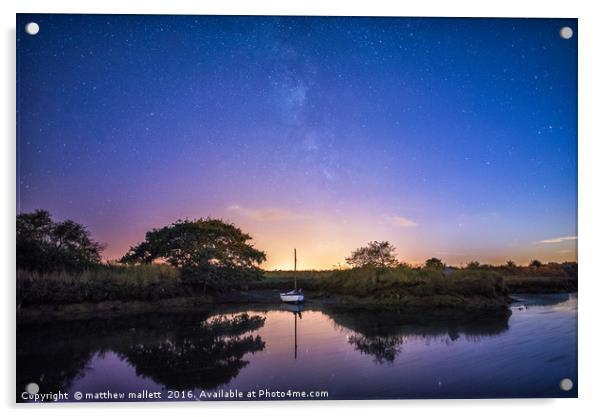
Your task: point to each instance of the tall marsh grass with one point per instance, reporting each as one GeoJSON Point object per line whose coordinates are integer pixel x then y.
{"type": "Point", "coordinates": [102, 283]}
{"type": "Point", "coordinates": [405, 285]}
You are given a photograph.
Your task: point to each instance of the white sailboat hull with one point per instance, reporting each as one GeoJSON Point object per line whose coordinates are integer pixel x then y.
{"type": "Point", "coordinates": [291, 298]}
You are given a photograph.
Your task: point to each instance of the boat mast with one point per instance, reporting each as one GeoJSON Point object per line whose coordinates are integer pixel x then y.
{"type": "Point", "coordinates": [295, 272]}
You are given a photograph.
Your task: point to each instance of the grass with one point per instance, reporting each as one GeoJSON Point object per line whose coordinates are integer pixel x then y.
{"type": "Point", "coordinates": [540, 284]}
{"type": "Point", "coordinates": [310, 274]}
{"type": "Point", "coordinates": [402, 286]}
{"type": "Point", "coordinates": [283, 279]}
{"type": "Point", "coordinates": [103, 283]}
{"type": "Point", "coordinates": [548, 278]}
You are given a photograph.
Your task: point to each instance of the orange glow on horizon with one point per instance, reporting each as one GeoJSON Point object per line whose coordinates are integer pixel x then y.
{"type": "Point", "coordinates": [323, 241]}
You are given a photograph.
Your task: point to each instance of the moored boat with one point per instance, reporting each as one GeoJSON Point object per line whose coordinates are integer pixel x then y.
{"type": "Point", "coordinates": [296, 295]}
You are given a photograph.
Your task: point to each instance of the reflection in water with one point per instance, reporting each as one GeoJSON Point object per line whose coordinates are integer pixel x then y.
{"type": "Point", "coordinates": [383, 348]}
{"type": "Point", "coordinates": [427, 355]}
{"type": "Point", "coordinates": [296, 309]}
{"type": "Point", "coordinates": [381, 333]}
{"type": "Point", "coordinates": [39, 361]}
{"type": "Point", "coordinates": [176, 351]}
{"type": "Point", "coordinates": [203, 357]}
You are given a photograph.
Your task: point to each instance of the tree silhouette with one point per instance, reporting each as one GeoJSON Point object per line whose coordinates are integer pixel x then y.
{"type": "Point", "coordinates": [44, 245]}
{"type": "Point", "coordinates": [434, 263]}
{"type": "Point", "coordinates": [376, 254]}
{"type": "Point", "coordinates": [208, 251]}
{"type": "Point", "coordinates": [473, 265]}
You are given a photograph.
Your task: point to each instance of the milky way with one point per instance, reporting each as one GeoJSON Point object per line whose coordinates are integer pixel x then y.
{"type": "Point", "coordinates": [454, 138]}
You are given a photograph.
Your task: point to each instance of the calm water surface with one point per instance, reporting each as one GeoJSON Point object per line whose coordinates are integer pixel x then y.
{"type": "Point", "coordinates": [351, 354]}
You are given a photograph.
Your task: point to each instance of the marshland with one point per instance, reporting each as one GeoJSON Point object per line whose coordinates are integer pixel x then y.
{"type": "Point", "coordinates": [208, 261]}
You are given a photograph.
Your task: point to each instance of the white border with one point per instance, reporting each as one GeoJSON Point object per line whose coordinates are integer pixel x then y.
{"type": "Point", "coordinates": [590, 203]}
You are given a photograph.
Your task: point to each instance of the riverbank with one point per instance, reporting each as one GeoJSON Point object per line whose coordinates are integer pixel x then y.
{"type": "Point", "coordinates": [260, 298]}
{"type": "Point", "coordinates": [119, 291]}
{"type": "Point", "coordinates": [540, 285]}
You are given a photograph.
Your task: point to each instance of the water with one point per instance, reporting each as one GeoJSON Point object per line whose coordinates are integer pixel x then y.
{"type": "Point", "coordinates": [348, 354]}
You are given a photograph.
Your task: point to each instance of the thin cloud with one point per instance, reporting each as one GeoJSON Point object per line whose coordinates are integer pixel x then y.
{"type": "Point", "coordinates": [402, 222]}
{"type": "Point", "coordinates": [264, 214]}
{"type": "Point", "coordinates": [558, 239]}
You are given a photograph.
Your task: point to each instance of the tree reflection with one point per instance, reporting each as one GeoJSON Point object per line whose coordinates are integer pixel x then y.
{"type": "Point", "coordinates": [180, 351]}
{"type": "Point", "coordinates": [203, 350]}
{"type": "Point", "coordinates": [383, 348]}
{"type": "Point", "coordinates": [53, 371]}
{"type": "Point", "coordinates": [208, 357]}
{"type": "Point", "coordinates": [381, 333]}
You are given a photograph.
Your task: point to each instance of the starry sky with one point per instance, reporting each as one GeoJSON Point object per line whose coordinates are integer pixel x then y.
{"type": "Point", "coordinates": [454, 138]}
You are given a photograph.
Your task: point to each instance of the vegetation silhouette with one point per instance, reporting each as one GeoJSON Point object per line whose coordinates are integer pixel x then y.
{"type": "Point", "coordinates": [44, 245]}
{"type": "Point", "coordinates": [375, 254]}
{"type": "Point", "coordinates": [209, 252]}
{"type": "Point", "coordinates": [434, 263]}
{"type": "Point", "coordinates": [59, 263]}
{"type": "Point", "coordinates": [411, 287]}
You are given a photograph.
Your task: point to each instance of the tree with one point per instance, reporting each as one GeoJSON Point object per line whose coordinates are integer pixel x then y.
{"type": "Point", "coordinates": [208, 251]}
{"type": "Point", "coordinates": [434, 263]}
{"type": "Point", "coordinates": [511, 264]}
{"type": "Point", "coordinates": [376, 254]}
{"type": "Point", "coordinates": [45, 246]}
{"type": "Point", "coordinates": [473, 265]}
{"type": "Point", "coordinates": [535, 263]}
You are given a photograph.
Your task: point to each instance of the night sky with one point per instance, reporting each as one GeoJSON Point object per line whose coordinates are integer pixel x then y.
{"type": "Point", "coordinates": [454, 138]}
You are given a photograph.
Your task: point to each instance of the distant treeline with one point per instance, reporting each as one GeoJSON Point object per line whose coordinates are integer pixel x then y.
{"type": "Point", "coordinates": [551, 269]}
{"type": "Point", "coordinates": [381, 255]}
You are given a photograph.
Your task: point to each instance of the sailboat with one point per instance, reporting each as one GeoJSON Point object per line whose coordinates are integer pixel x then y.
{"type": "Point", "coordinates": [296, 295]}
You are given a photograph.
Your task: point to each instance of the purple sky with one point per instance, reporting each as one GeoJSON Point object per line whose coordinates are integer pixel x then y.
{"type": "Point", "coordinates": [454, 138]}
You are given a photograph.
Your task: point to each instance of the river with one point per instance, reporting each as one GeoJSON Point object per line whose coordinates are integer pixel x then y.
{"type": "Point", "coordinates": [280, 352]}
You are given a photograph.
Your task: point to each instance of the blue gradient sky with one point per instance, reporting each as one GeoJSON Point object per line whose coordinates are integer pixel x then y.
{"type": "Point", "coordinates": [454, 138]}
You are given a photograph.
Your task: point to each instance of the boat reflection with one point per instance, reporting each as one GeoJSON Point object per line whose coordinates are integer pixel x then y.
{"type": "Point", "coordinates": [296, 309]}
